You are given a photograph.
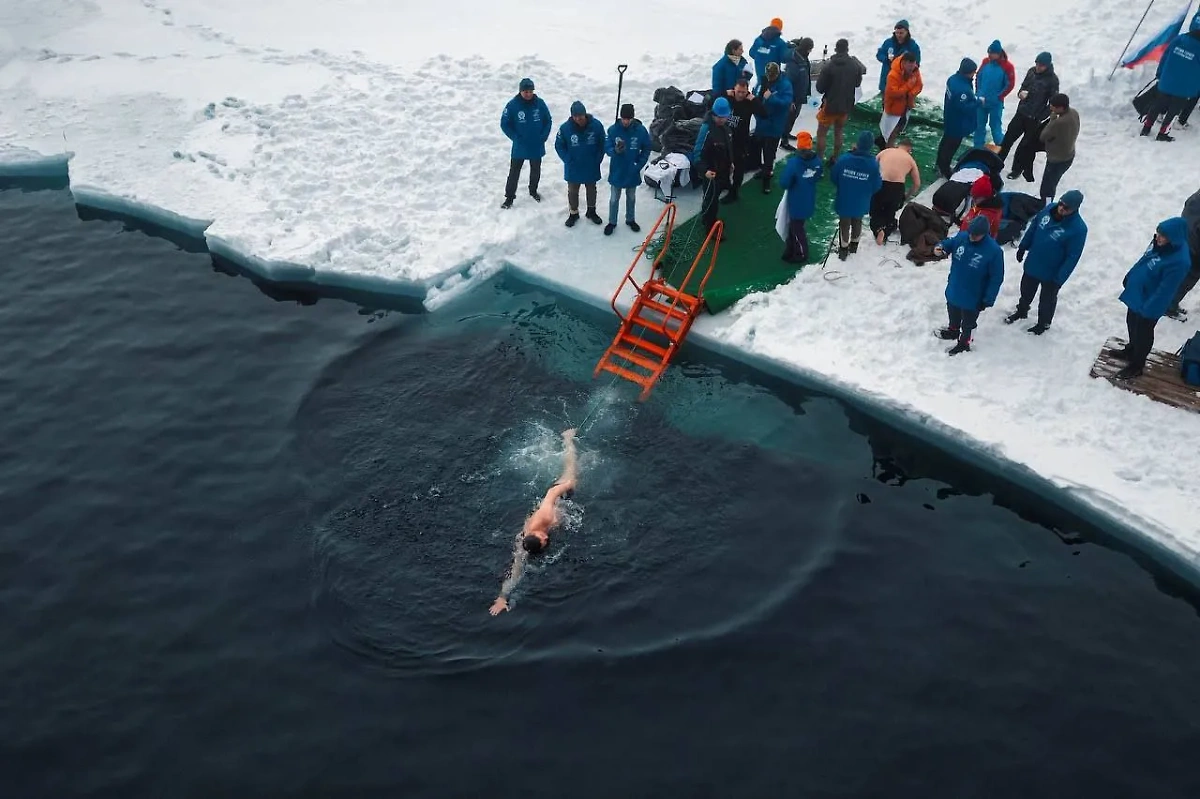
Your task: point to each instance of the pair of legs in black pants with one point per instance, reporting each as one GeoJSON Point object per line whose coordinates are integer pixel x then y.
{"type": "Point", "coordinates": [885, 204]}
{"type": "Point", "coordinates": [1026, 130]}
{"type": "Point", "coordinates": [708, 201]}
{"type": "Point", "coordinates": [1141, 341]}
{"type": "Point", "coordinates": [1051, 175]}
{"type": "Point", "coordinates": [1047, 302]}
{"type": "Point", "coordinates": [514, 174]}
{"type": "Point", "coordinates": [795, 250]}
{"type": "Point", "coordinates": [947, 147]}
{"type": "Point", "coordinates": [770, 148]}
{"type": "Point", "coordinates": [1169, 105]}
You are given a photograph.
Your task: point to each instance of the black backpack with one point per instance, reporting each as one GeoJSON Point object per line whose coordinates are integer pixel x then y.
{"type": "Point", "coordinates": [1145, 101]}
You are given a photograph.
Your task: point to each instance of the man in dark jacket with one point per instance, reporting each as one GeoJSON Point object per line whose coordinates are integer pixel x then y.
{"type": "Point", "coordinates": [841, 75]}
{"type": "Point", "coordinates": [799, 72]}
{"type": "Point", "coordinates": [1191, 215]}
{"type": "Point", "coordinates": [1039, 86]}
{"type": "Point", "coordinates": [743, 106]}
{"type": "Point", "coordinates": [715, 163]}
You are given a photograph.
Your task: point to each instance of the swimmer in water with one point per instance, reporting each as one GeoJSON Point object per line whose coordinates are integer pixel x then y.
{"type": "Point", "coordinates": [535, 533]}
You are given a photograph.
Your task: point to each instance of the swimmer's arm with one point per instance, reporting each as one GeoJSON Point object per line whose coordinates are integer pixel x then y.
{"type": "Point", "coordinates": [510, 582]}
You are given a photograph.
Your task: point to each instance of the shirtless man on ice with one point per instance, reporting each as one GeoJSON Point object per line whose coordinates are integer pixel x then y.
{"type": "Point", "coordinates": [535, 534]}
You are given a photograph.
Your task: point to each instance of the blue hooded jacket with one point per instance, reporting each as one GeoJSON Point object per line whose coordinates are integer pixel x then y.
{"type": "Point", "coordinates": [991, 81]}
{"type": "Point", "coordinates": [976, 271]}
{"type": "Point", "coordinates": [1179, 69]}
{"type": "Point", "coordinates": [856, 178]}
{"type": "Point", "coordinates": [1053, 246]}
{"type": "Point", "coordinates": [580, 148]}
{"type": "Point", "coordinates": [725, 74]}
{"type": "Point", "coordinates": [628, 151]}
{"type": "Point", "coordinates": [527, 124]}
{"type": "Point", "coordinates": [1151, 284]}
{"type": "Point", "coordinates": [768, 47]}
{"type": "Point", "coordinates": [799, 72]}
{"type": "Point", "coordinates": [890, 50]}
{"type": "Point", "coordinates": [800, 176]}
{"type": "Point", "coordinates": [958, 109]}
{"type": "Point", "coordinates": [779, 106]}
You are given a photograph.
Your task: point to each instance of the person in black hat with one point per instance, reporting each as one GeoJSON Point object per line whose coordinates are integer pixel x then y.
{"type": "Point", "coordinates": [628, 147]}
{"type": "Point", "coordinates": [526, 122]}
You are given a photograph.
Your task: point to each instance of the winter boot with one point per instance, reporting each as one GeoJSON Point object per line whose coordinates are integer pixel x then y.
{"type": "Point", "coordinates": [537, 198]}
{"type": "Point", "coordinates": [634, 226]}
{"type": "Point", "coordinates": [1129, 372]}
{"type": "Point", "coordinates": [609, 228]}
{"type": "Point", "coordinates": [572, 219]}
{"type": "Point", "coordinates": [1164, 136]}
{"type": "Point", "coordinates": [948, 333]}
{"type": "Point", "coordinates": [730, 198]}
{"type": "Point", "coordinates": [1121, 354]}
{"type": "Point", "coordinates": [963, 345]}
{"type": "Point", "coordinates": [854, 246]}
{"type": "Point", "coordinates": [508, 201]}
{"type": "Point", "coordinates": [766, 179]}
{"type": "Point", "coordinates": [786, 145]}
{"type": "Point", "coordinates": [1016, 316]}
{"type": "Point", "coordinates": [843, 253]}
{"type": "Point", "coordinates": [1146, 130]}
{"type": "Point", "coordinates": [1028, 175]}
{"type": "Point", "coordinates": [594, 217]}
{"type": "Point", "coordinates": [1016, 173]}
{"type": "Point", "coordinates": [1038, 329]}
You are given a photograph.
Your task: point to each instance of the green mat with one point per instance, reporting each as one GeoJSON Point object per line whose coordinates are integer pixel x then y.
{"type": "Point", "coordinates": [749, 258]}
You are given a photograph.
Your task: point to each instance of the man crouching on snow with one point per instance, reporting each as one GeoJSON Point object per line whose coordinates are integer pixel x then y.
{"type": "Point", "coordinates": [976, 272]}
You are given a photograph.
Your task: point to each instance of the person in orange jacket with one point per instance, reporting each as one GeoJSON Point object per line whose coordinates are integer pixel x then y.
{"type": "Point", "coordinates": [899, 96]}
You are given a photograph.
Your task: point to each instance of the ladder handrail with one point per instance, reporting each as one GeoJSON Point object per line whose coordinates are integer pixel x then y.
{"type": "Point", "coordinates": [668, 214]}
{"type": "Point", "coordinates": [714, 233]}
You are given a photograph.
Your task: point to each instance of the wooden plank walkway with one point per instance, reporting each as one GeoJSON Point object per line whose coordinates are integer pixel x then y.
{"type": "Point", "coordinates": [1160, 382]}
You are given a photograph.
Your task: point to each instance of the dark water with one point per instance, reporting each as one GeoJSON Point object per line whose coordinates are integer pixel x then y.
{"type": "Point", "coordinates": [247, 549]}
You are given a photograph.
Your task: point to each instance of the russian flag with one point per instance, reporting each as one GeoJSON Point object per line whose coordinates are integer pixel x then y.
{"type": "Point", "coordinates": [1152, 51]}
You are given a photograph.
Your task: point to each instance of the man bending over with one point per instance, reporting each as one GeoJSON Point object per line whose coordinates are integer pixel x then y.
{"type": "Point", "coordinates": [535, 534]}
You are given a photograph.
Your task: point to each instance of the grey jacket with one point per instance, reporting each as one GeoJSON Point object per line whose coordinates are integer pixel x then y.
{"type": "Point", "coordinates": [1059, 136]}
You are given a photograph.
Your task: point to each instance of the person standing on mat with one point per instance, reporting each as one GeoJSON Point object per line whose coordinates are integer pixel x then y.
{"type": "Point", "coordinates": [799, 180]}
{"type": "Point", "coordinates": [768, 48]}
{"type": "Point", "coordinates": [526, 122]}
{"type": "Point", "coordinates": [1050, 250]}
{"type": "Point", "coordinates": [959, 110]}
{"type": "Point", "coordinates": [993, 82]}
{"type": "Point", "coordinates": [900, 97]}
{"type": "Point", "coordinates": [896, 166]}
{"type": "Point", "coordinates": [714, 159]}
{"type": "Point", "coordinates": [841, 75]}
{"type": "Point", "coordinates": [1058, 137]}
{"type": "Point", "coordinates": [1040, 84]}
{"type": "Point", "coordinates": [1191, 215]}
{"type": "Point", "coordinates": [775, 90]}
{"type": "Point", "coordinates": [1149, 288]}
{"type": "Point", "coordinates": [799, 72]}
{"type": "Point", "coordinates": [580, 145]}
{"type": "Point", "coordinates": [856, 178]}
{"type": "Point", "coordinates": [535, 533]}
{"type": "Point", "coordinates": [976, 273]}
{"type": "Point", "coordinates": [628, 149]}
{"type": "Point", "coordinates": [742, 108]}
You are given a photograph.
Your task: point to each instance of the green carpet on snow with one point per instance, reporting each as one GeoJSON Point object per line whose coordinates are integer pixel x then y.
{"type": "Point", "coordinates": [749, 260]}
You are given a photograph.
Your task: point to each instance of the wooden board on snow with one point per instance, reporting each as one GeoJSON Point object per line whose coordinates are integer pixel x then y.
{"type": "Point", "coordinates": [1160, 382]}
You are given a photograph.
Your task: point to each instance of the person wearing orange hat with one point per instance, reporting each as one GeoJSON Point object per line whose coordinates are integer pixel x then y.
{"type": "Point", "coordinates": [986, 203]}
{"type": "Point", "coordinates": [769, 48]}
{"type": "Point", "coordinates": [800, 176]}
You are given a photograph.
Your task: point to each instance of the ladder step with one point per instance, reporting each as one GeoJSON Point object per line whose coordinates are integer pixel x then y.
{"type": "Point", "coordinates": [669, 332]}
{"type": "Point", "coordinates": [660, 287]}
{"type": "Point", "coordinates": [633, 377]}
{"type": "Point", "coordinates": [678, 312]}
{"type": "Point", "coordinates": [633, 357]}
{"type": "Point", "coordinates": [649, 346]}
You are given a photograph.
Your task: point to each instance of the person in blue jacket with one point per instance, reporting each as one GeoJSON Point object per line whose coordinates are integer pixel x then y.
{"type": "Point", "coordinates": [992, 85]}
{"type": "Point", "coordinates": [580, 145]}
{"type": "Point", "coordinates": [526, 122]}
{"type": "Point", "coordinates": [976, 272]}
{"type": "Point", "coordinates": [628, 148]}
{"type": "Point", "coordinates": [727, 71]}
{"type": "Point", "coordinates": [1178, 80]}
{"type": "Point", "coordinates": [958, 114]}
{"type": "Point", "coordinates": [1050, 251]}
{"type": "Point", "coordinates": [856, 178]}
{"type": "Point", "coordinates": [1149, 288]}
{"type": "Point", "coordinates": [769, 48]}
{"type": "Point", "coordinates": [799, 180]}
{"type": "Point", "coordinates": [775, 91]}
{"type": "Point", "coordinates": [894, 46]}
{"type": "Point", "coordinates": [799, 72]}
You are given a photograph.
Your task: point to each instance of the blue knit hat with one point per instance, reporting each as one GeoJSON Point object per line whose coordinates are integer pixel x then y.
{"type": "Point", "coordinates": [978, 227]}
{"type": "Point", "coordinates": [721, 108]}
{"type": "Point", "coordinates": [865, 141]}
{"type": "Point", "coordinates": [1072, 199]}
{"type": "Point", "coordinates": [1044, 59]}
{"type": "Point", "coordinates": [577, 107]}
{"type": "Point", "coordinates": [967, 66]}
{"type": "Point", "coordinates": [995, 47]}
{"type": "Point", "coordinates": [1196, 22]}
{"type": "Point", "coordinates": [526, 83]}
{"type": "Point", "coordinates": [902, 24]}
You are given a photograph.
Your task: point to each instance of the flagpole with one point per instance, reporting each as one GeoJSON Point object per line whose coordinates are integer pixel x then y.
{"type": "Point", "coordinates": [1126, 48]}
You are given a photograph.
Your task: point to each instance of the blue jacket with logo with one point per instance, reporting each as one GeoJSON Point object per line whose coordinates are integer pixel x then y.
{"type": "Point", "coordinates": [774, 123]}
{"type": "Point", "coordinates": [1151, 284]}
{"type": "Point", "coordinates": [856, 177]}
{"type": "Point", "coordinates": [991, 81]}
{"type": "Point", "coordinates": [527, 124]}
{"type": "Point", "coordinates": [1179, 69]}
{"type": "Point", "coordinates": [1053, 246]}
{"type": "Point", "coordinates": [799, 72]}
{"type": "Point", "coordinates": [800, 176]}
{"type": "Point", "coordinates": [725, 74]}
{"type": "Point", "coordinates": [581, 149]}
{"type": "Point", "coordinates": [959, 106]}
{"type": "Point", "coordinates": [628, 151]}
{"type": "Point", "coordinates": [976, 271]}
{"type": "Point", "coordinates": [889, 51]}
{"type": "Point", "coordinates": [769, 47]}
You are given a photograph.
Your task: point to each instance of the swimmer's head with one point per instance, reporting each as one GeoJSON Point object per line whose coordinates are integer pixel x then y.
{"type": "Point", "coordinates": [532, 544]}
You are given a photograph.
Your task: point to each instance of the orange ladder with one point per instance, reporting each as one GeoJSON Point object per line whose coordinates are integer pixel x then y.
{"type": "Point", "coordinates": [659, 311]}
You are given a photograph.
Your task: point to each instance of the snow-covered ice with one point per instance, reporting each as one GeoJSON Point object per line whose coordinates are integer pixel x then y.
{"type": "Point", "coordinates": [356, 143]}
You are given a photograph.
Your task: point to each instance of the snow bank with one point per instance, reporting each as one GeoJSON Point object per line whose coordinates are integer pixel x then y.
{"type": "Point", "coordinates": [356, 146]}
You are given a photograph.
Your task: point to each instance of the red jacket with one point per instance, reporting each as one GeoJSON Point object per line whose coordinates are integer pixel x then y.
{"type": "Point", "coordinates": [1009, 71]}
{"type": "Point", "coordinates": [994, 215]}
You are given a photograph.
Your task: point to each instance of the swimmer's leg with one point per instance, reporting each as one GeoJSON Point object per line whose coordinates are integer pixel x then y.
{"type": "Point", "coordinates": [570, 471]}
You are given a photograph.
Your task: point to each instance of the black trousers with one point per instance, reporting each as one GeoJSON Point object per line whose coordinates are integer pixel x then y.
{"type": "Point", "coordinates": [1047, 302]}
{"type": "Point", "coordinates": [708, 201]}
{"type": "Point", "coordinates": [770, 148]}
{"type": "Point", "coordinates": [1189, 282]}
{"type": "Point", "coordinates": [962, 320]}
{"type": "Point", "coordinates": [792, 117]}
{"type": "Point", "coordinates": [514, 174]}
{"type": "Point", "coordinates": [1025, 130]}
{"type": "Point", "coordinates": [795, 249]}
{"type": "Point", "coordinates": [1188, 108]}
{"type": "Point", "coordinates": [1051, 175]}
{"type": "Point", "coordinates": [1141, 338]}
{"type": "Point", "coordinates": [740, 157]}
{"type": "Point", "coordinates": [947, 147]}
{"type": "Point", "coordinates": [885, 204]}
{"type": "Point", "coordinates": [1169, 105]}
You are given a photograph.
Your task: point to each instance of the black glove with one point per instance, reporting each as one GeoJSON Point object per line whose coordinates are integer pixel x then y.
{"type": "Point", "coordinates": [1020, 255]}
